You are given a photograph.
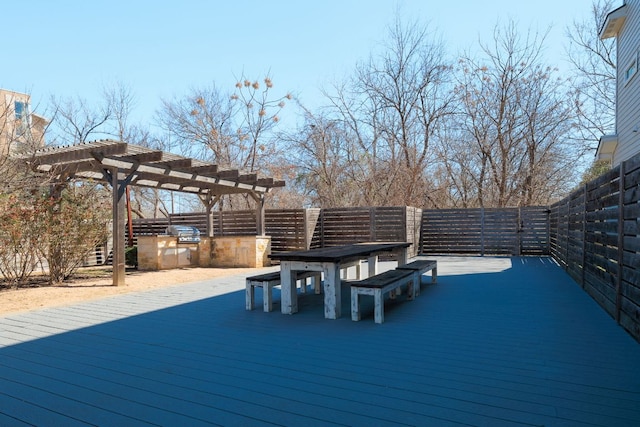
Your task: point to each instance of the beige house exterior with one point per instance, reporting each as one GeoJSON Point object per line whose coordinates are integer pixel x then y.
{"type": "Point", "coordinates": [20, 129]}
{"type": "Point", "coordinates": [624, 24]}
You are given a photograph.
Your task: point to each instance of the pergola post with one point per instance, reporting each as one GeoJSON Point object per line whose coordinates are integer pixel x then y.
{"type": "Point", "coordinates": [118, 188]}
{"type": "Point", "coordinates": [260, 225]}
{"type": "Point", "coordinates": [209, 201]}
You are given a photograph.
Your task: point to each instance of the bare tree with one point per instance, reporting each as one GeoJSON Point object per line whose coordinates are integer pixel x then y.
{"type": "Point", "coordinates": [517, 120]}
{"type": "Point", "coordinates": [199, 125]}
{"type": "Point", "coordinates": [75, 121]}
{"type": "Point", "coordinates": [322, 154]}
{"type": "Point", "coordinates": [391, 110]}
{"type": "Point", "coordinates": [258, 114]}
{"type": "Point", "coordinates": [233, 130]}
{"type": "Point", "coordinates": [120, 98]}
{"type": "Point", "coordinates": [594, 62]}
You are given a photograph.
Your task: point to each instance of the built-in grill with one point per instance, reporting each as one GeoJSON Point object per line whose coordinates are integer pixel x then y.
{"type": "Point", "coordinates": [184, 233]}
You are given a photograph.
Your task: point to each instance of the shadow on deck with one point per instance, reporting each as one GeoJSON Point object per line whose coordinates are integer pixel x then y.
{"type": "Point", "coordinates": [498, 341]}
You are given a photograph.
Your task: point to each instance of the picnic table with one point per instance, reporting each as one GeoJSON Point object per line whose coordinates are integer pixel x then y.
{"type": "Point", "coordinates": [328, 261]}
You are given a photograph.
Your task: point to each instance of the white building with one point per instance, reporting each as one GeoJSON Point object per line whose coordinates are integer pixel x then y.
{"type": "Point", "coordinates": [19, 127]}
{"type": "Point", "coordinates": [624, 24]}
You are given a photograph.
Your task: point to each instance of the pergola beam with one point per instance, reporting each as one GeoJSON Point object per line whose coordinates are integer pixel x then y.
{"type": "Point", "coordinates": [74, 153]}
{"type": "Point", "coordinates": [122, 164]}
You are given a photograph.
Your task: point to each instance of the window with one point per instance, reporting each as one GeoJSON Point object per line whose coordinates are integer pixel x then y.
{"type": "Point", "coordinates": [20, 110]}
{"type": "Point", "coordinates": [23, 118]}
{"type": "Point", "coordinates": [631, 70]}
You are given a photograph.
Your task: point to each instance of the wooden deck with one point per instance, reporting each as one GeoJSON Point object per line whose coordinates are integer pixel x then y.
{"type": "Point", "coordinates": [497, 342]}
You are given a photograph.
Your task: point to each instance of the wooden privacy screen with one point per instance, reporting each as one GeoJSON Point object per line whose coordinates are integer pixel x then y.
{"type": "Point", "coordinates": [293, 229]}
{"type": "Point", "coordinates": [595, 236]}
{"type": "Point", "coordinates": [507, 231]}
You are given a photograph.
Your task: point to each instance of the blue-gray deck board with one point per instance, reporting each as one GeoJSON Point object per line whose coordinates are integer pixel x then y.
{"type": "Point", "coordinates": [517, 343]}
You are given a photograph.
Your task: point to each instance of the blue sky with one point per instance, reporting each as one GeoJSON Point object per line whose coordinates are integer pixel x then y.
{"type": "Point", "coordinates": [163, 49]}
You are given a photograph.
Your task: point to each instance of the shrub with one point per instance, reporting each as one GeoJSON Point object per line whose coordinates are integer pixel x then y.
{"type": "Point", "coordinates": [21, 226]}
{"type": "Point", "coordinates": [76, 219]}
{"type": "Point", "coordinates": [131, 256]}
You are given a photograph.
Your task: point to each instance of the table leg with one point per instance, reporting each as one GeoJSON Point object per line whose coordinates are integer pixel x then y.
{"type": "Point", "coordinates": [402, 256]}
{"type": "Point", "coordinates": [332, 291]}
{"type": "Point", "coordinates": [373, 265]}
{"type": "Point", "coordinates": [289, 294]}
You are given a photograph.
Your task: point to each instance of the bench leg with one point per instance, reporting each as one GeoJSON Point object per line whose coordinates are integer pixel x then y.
{"type": "Point", "coordinates": [249, 295]}
{"type": "Point", "coordinates": [434, 275]}
{"type": "Point", "coordinates": [378, 309]}
{"type": "Point", "coordinates": [417, 283]}
{"type": "Point", "coordinates": [412, 289]}
{"type": "Point", "coordinates": [355, 305]}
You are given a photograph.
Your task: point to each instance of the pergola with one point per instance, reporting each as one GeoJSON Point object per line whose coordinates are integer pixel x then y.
{"type": "Point", "coordinates": [121, 164]}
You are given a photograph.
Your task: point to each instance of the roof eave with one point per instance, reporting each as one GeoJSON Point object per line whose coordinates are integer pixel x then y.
{"type": "Point", "coordinates": [613, 22]}
{"type": "Point", "coordinates": [607, 147]}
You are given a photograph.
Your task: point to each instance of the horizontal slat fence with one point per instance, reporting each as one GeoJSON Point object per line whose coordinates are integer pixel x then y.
{"type": "Point", "coordinates": [595, 236]}
{"type": "Point", "coordinates": [506, 231]}
{"type": "Point", "coordinates": [227, 223]}
{"type": "Point", "coordinates": [511, 231]}
{"type": "Point", "coordinates": [452, 231]}
{"type": "Point", "coordinates": [287, 229]}
{"type": "Point", "coordinates": [534, 229]}
{"type": "Point", "coordinates": [295, 229]}
{"type": "Point", "coordinates": [501, 228]}
{"type": "Point", "coordinates": [341, 226]}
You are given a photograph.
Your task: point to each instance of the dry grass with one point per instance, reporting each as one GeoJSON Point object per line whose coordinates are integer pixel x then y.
{"type": "Point", "coordinates": [95, 283]}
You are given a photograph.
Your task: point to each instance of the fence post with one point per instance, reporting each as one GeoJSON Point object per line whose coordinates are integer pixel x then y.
{"type": "Point", "coordinates": [566, 252]}
{"type": "Point", "coordinates": [405, 223]}
{"type": "Point", "coordinates": [372, 224]}
{"type": "Point", "coordinates": [519, 231]}
{"type": "Point", "coordinates": [305, 226]}
{"type": "Point", "coordinates": [220, 222]}
{"type": "Point", "coordinates": [482, 231]}
{"type": "Point", "coordinates": [621, 185]}
{"type": "Point", "coordinates": [584, 234]}
{"type": "Point", "coordinates": [421, 233]}
{"type": "Point", "coordinates": [549, 230]}
{"type": "Point", "coordinates": [322, 228]}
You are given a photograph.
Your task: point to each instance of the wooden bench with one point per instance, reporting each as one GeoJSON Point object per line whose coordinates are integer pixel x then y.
{"type": "Point", "coordinates": [378, 286]}
{"type": "Point", "coordinates": [419, 267]}
{"type": "Point", "coordinates": [267, 282]}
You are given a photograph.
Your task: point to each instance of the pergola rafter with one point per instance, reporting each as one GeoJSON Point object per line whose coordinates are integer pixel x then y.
{"type": "Point", "coordinates": [122, 164]}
